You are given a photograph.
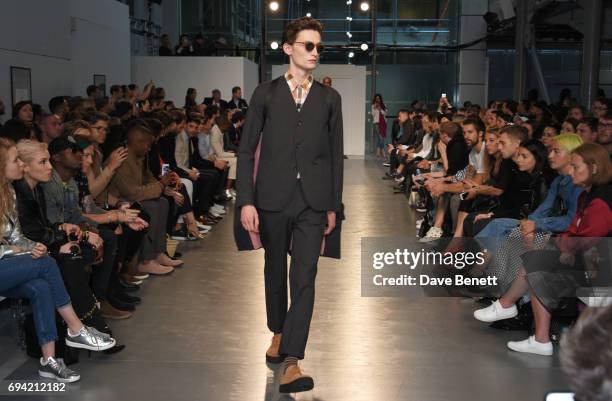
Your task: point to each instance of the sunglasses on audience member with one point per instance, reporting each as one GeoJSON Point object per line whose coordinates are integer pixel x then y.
{"type": "Point", "coordinates": [309, 46]}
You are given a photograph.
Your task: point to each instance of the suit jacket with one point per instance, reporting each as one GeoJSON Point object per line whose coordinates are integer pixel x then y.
{"type": "Point", "coordinates": [134, 182]}
{"type": "Point", "coordinates": [208, 101]}
{"type": "Point", "coordinates": [216, 142]}
{"type": "Point", "coordinates": [242, 104]}
{"type": "Point", "coordinates": [309, 142]}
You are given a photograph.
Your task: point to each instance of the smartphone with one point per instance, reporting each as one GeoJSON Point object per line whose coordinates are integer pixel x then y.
{"type": "Point", "coordinates": [165, 169]}
{"type": "Point", "coordinates": [558, 396]}
{"type": "Point", "coordinates": [444, 95]}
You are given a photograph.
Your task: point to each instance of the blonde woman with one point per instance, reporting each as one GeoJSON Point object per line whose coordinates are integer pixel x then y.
{"type": "Point", "coordinates": [27, 271]}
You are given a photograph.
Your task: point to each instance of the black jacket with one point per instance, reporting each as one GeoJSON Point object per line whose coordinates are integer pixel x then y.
{"type": "Point", "coordinates": [209, 100]}
{"type": "Point", "coordinates": [309, 142]}
{"type": "Point", "coordinates": [231, 139]}
{"type": "Point", "coordinates": [408, 136]}
{"type": "Point", "coordinates": [242, 104]}
{"type": "Point", "coordinates": [33, 217]}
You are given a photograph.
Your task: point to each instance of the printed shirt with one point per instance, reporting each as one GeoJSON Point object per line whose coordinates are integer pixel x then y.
{"type": "Point", "coordinates": [299, 92]}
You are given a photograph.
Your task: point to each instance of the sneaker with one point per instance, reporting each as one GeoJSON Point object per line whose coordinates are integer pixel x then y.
{"type": "Point", "coordinates": [433, 234]}
{"type": "Point", "coordinates": [90, 339]}
{"type": "Point", "coordinates": [218, 206]}
{"type": "Point", "coordinates": [141, 276]}
{"type": "Point", "coordinates": [218, 211]}
{"type": "Point", "coordinates": [56, 369]}
{"type": "Point", "coordinates": [495, 312]}
{"type": "Point", "coordinates": [418, 223]}
{"type": "Point", "coordinates": [179, 235]}
{"type": "Point", "coordinates": [421, 207]}
{"type": "Point", "coordinates": [386, 164]}
{"type": "Point", "coordinates": [531, 346]}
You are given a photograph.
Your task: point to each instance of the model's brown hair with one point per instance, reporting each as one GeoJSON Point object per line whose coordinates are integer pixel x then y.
{"type": "Point", "coordinates": [293, 28]}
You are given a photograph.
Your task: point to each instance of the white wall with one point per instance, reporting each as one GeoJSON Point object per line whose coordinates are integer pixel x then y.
{"type": "Point", "coordinates": [63, 42]}
{"type": "Point", "coordinates": [100, 43]}
{"type": "Point", "coordinates": [176, 74]}
{"type": "Point", "coordinates": [350, 82]}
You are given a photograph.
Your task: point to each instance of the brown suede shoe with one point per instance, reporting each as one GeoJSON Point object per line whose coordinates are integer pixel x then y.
{"type": "Point", "coordinates": [294, 381]}
{"type": "Point", "coordinates": [110, 312]}
{"type": "Point", "coordinates": [272, 354]}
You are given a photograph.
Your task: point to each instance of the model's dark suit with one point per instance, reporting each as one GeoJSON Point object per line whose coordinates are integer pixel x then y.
{"type": "Point", "coordinates": [292, 212]}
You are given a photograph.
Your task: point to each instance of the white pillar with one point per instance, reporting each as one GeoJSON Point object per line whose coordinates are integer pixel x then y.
{"type": "Point", "coordinates": [473, 72]}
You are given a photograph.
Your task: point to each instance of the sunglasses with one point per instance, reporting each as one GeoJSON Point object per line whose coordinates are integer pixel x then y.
{"type": "Point", "coordinates": [309, 46]}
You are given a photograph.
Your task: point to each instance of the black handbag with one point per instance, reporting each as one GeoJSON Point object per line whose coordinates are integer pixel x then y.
{"type": "Point", "coordinates": [69, 354]}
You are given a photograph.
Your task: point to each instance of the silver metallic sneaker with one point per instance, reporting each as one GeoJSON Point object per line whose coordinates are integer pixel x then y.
{"type": "Point", "coordinates": [90, 339]}
{"type": "Point", "coordinates": [56, 369]}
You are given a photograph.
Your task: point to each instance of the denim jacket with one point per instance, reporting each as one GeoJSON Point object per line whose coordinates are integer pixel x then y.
{"type": "Point", "coordinates": [562, 187]}
{"type": "Point", "coordinates": [11, 233]}
{"type": "Point", "coordinates": [63, 201]}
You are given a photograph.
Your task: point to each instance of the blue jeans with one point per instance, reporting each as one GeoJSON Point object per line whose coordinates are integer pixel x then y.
{"type": "Point", "coordinates": [40, 281]}
{"type": "Point", "coordinates": [496, 232]}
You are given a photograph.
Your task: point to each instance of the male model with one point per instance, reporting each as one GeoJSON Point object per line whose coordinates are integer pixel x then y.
{"type": "Point", "coordinates": [289, 190]}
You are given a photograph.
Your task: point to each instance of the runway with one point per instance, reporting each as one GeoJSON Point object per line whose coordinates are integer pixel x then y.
{"type": "Point", "coordinates": [200, 334]}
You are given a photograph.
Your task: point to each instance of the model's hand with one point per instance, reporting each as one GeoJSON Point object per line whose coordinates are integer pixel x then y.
{"type": "Point", "coordinates": [331, 222]}
{"type": "Point", "coordinates": [249, 218]}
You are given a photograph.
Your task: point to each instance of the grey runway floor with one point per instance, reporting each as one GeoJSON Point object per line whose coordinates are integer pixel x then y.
{"type": "Point", "coordinates": [201, 333]}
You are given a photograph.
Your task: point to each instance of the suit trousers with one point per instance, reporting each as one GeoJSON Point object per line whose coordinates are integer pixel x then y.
{"type": "Point", "coordinates": [299, 229]}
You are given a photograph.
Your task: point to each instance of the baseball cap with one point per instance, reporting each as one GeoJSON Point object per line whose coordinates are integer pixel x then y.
{"type": "Point", "coordinates": [62, 143]}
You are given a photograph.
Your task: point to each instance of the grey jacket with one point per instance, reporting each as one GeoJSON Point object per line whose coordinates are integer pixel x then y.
{"type": "Point", "coordinates": [11, 233]}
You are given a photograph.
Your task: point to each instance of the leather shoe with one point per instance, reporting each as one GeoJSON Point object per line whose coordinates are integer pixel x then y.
{"type": "Point", "coordinates": [127, 298]}
{"type": "Point", "coordinates": [110, 312]}
{"type": "Point", "coordinates": [123, 285]}
{"type": "Point", "coordinates": [122, 306]}
{"type": "Point", "coordinates": [272, 354]}
{"type": "Point", "coordinates": [294, 381]}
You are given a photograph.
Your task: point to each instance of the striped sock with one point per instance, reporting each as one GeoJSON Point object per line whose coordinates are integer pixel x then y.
{"type": "Point", "coordinates": [289, 360]}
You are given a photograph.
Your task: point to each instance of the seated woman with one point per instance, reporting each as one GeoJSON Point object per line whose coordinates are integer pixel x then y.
{"type": "Point", "coordinates": [529, 184]}
{"type": "Point", "coordinates": [508, 237]}
{"type": "Point", "coordinates": [27, 271]}
{"type": "Point", "coordinates": [551, 275]}
{"type": "Point", "coordinates": [64, 240]}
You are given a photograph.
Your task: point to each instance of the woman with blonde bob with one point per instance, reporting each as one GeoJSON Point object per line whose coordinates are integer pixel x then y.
{"type": "Point", "coordinates": [26, 271]}
{"type": "Point", "coordinates": [550, 275]}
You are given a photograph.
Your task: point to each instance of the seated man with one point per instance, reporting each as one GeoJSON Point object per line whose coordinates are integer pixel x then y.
{"type": "Point", "coordinates": [134, 182]}
{"type": "Point", "coordinates": [454, 151]}
{"type": "Point", "coordinates": [473, 133]}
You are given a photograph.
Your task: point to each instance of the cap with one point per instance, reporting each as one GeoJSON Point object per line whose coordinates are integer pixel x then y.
{"type": "Point", "coordinates": [62, 143]}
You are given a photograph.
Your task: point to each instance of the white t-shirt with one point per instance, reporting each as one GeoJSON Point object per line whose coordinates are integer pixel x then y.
{"type": "Point", "coordinates": [477, 159]}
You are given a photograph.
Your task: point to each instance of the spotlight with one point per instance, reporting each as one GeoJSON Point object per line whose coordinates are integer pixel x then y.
{"type": "Point", "coordinates": [349, 18]}
{"type": "Point", "coordinates": [349, 2]}
{"type": "Point", "coordinates": [308, 14]}
{"type": "Point", "coordinates": [350, 35]}
{"type": "Point", "coordinates": [364, 6]}
{"type": "Point", "coordinates": [364, 46]}
{"type": "Point", "coordinates": [274, 5]}
{"type": "Point", "coordinates": [351, 54]}
{"type": "Point", "coordinates": [274, 45]}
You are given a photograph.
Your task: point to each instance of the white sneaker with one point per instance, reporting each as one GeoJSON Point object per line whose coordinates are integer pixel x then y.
{"type": "Point", "coordinates": [418, 223]}
{"type": "Point", "coordinates": [495, 312]}
{"type": "Point", "coordinates": [203, 227]}
{"type": "Point", "coordinates": [218, 206]}
{"type": "Point", "coordinates": [386, 165]}
{"type": "Point", "coordinates": [219, 211]}
{"type": "Point", "coordinates": [531, 346]}
{"type": "Point", "coordinates": [433, 234]}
